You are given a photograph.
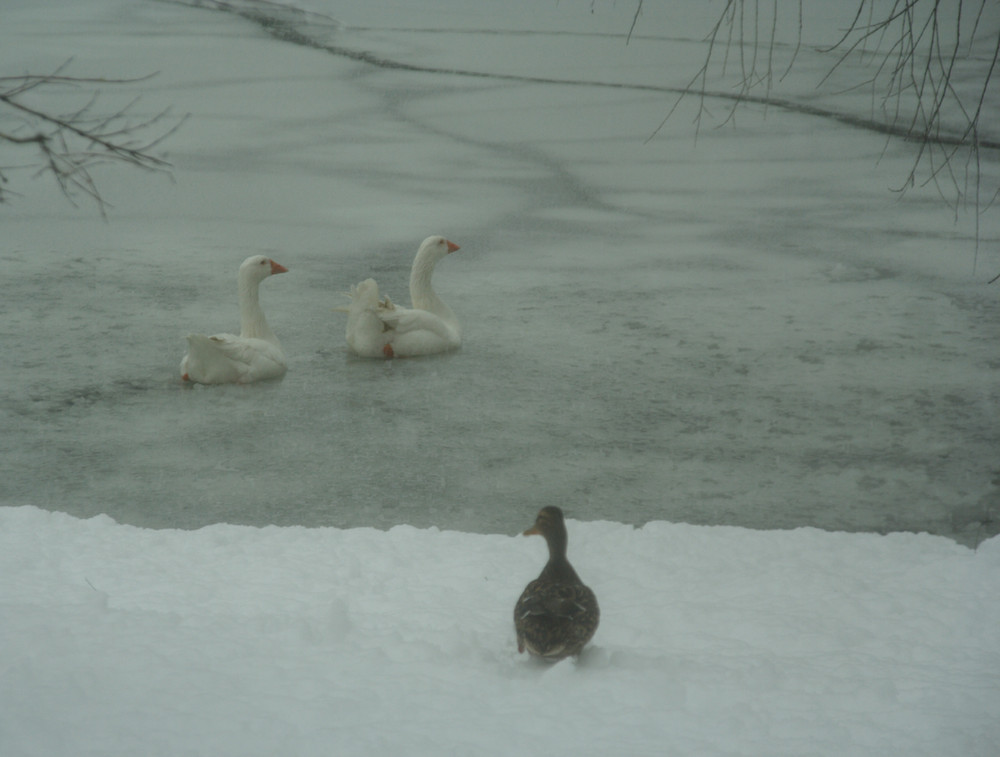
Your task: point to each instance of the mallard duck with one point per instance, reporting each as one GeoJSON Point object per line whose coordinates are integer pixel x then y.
{"type": "Point", "coordinates": [556, 614]}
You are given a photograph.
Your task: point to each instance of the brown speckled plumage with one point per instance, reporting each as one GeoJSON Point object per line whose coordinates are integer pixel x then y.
{"type": "Point", "coordinates": [556, 614]}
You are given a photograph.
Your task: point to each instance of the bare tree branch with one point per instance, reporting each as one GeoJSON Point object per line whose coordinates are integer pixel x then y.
{"type": "Point", "coordinates": [917, 48]}
{"type": "Point", "coordinates": [71, 144]}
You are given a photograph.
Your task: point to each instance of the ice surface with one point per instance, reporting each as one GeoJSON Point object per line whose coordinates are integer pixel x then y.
{"type": "Point", "coordinates": [750, 329]}
{"type": "Point", "coordinates": [232, 640]}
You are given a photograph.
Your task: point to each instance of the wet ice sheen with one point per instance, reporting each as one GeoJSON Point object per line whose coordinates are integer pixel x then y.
{"type": "Point", "coordinates": [750, 330]}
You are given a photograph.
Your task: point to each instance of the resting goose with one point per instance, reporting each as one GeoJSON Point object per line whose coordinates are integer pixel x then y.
{"type": "Point", "coordinates": [378, 328]}
{"type": "Point", "coordinates": [254, 355]}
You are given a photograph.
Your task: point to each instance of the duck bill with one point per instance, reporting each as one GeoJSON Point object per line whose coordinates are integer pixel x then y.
{"type": "Point", "coordinates": [452, 246]}
{"type": "Point", "coordinates": [277, 268]}
{"type": "Point", "coordinates": [532, 531]}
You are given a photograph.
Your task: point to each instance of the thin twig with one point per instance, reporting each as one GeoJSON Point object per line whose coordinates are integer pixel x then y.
{"type": "Point", "coordinates": [72, 144]}
{"type": "Point", "coordinates": [635, 19]}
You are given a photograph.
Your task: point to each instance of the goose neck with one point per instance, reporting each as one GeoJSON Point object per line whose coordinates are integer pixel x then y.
{"type": "Point", "coordinates": [422, 293]}
{"type": "Point", "coordinates": [253, 325]}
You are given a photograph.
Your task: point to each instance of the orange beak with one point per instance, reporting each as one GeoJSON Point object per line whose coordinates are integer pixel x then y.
{"type": "Point", "coordinates": [278, 268]}
{"type": "Point", "coordinates": [531, 531]}
{"type": "Point", "coordinates": [452, 246]}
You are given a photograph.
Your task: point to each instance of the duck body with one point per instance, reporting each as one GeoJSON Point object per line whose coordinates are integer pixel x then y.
{"type": "Point", "coordinates": [254, 355]}
{"type": "Point", "coordinates": [377, 328]}
{"type": "Point", "coordinates": [556, 614]}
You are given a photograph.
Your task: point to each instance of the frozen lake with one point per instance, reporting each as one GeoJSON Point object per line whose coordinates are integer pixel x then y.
{"type": "Point", "coordinates": [750, 329]}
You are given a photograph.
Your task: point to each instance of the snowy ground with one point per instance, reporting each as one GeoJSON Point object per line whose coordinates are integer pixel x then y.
{"type": "Point", "coordinates": [751, 331]}
{"type": "Point", "coordinates": [232, 640]}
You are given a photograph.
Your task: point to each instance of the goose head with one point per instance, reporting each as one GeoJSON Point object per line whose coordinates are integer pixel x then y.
{"type": "Point", "coordinates": [256, 268]}
{"type": "Point", "coordinates": [434, 248]}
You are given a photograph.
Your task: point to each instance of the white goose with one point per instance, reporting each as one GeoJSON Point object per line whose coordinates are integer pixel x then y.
{"type": "Point", "coordinates": [378, 328]}
{"type": "Point", "coordinates": [255, 354]}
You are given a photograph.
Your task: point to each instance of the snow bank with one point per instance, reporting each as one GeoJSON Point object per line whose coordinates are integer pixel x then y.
{"type": "Point", "coordinates": [232, 640]}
